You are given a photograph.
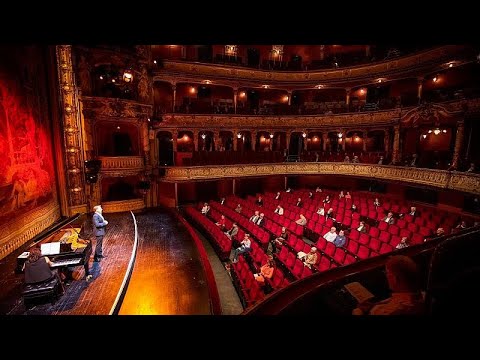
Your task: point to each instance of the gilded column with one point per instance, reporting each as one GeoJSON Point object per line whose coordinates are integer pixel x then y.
{"type": "Point", "coordinates": [174, 88]}
{"type": "Point", "coordinates": [72, 128]}
{"type": "Point", "coordinates": [195, 140]}
{"type": "Point", "coordinates": [459, 138]}
{"type": "Point", "coordinates": [324, 141]}
{"type": "Point", "coordinates": [386, 140]}
{"type": "Point", "coordinates": [420, 89]}
{"type": "Point", "coordinates": [288, 136]}
{"type": "Point", "coordinates": [347, 99]}
{"type": "Point", "coordinates": [235, 96]}
{"type": "Point", "coordinates": [235, 139]}
{"type": "Point", "coordinates": [289, 97]}
{"type": "Point", "coordinates": [396, 145]}
{"type": "Point", "coordinates": [174, 137]}
{"type": "Point", "coordinates": [305, 140]}
{"type": "Point", "coordinates": [217, 140]}
{"type": "Point", "coordinates": [254, 140]}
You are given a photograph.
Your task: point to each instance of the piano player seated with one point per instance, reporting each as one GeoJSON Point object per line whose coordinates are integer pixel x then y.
{"type": "Point", "coordinates": [37, 269]}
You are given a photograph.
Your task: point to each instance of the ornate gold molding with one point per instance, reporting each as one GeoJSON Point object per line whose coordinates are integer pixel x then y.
{"type": "Point", "coordinates": [268, 122]}
{"type": "Point", "coordinates": [435, 178]}
{"type": "Point", "coordinates": [123, 205]}
{"type": "Point", "coordinates": [177, 69]}
{"type": "Point", "coordinates": [102, 108]}
{"type": "Point", "coordinates": [72, 126]}
{"type": "Point", "coordinates": [125, 165]}
{"type": "Point", "coordinates": [19, 231]}
{"type": "Point", "coordinates": [466, 182]}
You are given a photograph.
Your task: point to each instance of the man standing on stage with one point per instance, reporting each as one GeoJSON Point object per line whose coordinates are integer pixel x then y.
{"type": "Point", "coordinates": [99, 224]}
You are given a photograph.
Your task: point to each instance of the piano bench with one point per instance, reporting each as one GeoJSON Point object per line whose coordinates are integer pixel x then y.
{"type": "Point", "coordinates": [50, 289]}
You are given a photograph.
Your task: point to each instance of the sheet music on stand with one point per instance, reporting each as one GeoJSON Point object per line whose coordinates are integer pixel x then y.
{"type": "Point", "coordinates": [359, 292]}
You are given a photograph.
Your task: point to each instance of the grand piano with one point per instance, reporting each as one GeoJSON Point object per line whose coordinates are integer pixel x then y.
{"type": "Point", "coordinates": [65, 243]}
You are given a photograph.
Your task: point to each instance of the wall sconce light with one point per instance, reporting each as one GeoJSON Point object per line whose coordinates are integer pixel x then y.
{"type": "Point", "coordinates": [271, 136]}
{"type": "Point", "coordinates": [128, 76]}
{"type": "Point", "coordinates": [319, 86]}
{"type": "Point", "coordinates": [242, 94]}
{"type": "Point", "coordinates": [362, 91]}
{"type": "Point", "coordinates": [203, 136]}
{"type": "Point", "coordinates": [340, 135]}
{"type": "Point", "coordinates": [239, 135]}
{"type": "Point", "coordinates": [192, 90]}
{"type": "Point", "coordinates": [437, 131]}
{"type": "Point", "coordinates": [435, 79]}
{"type": "Point", "coordinates": [304, 135]}
{"type": "Point", "coordinates": [424, 136]}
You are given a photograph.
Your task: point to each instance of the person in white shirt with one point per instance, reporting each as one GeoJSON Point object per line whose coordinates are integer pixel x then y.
{"type": "Point", "coordinates": [277, 197]}
{"type": "Point", "coordinates": [403, 243]}
{"type": "Point", "coordinates": [318, 189]}
{"type": "Point", "coordinates": [321, 211]}
{"type": "Point", "coordinates": [302, 221]}
{"type": "Point", "coordinates": [245, 246]}
{"type": "Point", "coordinates": [362, 227]}
{"type": "Point", "coordinates": [254, 218]}
{"type": "Point", "coordinates": [238, 209]}
{"type": "Point", "coordinates": [279, 210]}
{"type": "Point", "coordinates": [331, 235]}
{"type": "Point", "coordinates": [288, 190]}
{"type": "Point", "coordinates": [376, 203]}
{"type": "Point", "coordinates": [299, 202]}
{"type": "Point", "coordinates": [261, 220]}
{"type": "Point", "coordinates": [389, 218]}
{"type": "Point", "coordinates": [341, 195]}
{"type": "Point", "coordinates": [222, 201]}
{"type": "Point", "coordinates": [205, 209]}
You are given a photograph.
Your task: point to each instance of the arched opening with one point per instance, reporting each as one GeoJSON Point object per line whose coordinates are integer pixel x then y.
{"type": "Point", "coordinates": [354, 142]}
{"type": "Point", "coordinates": [253, 57]}
{"type": "Point", "coordinates": [117, 139]}
{"type": "Point", "coordinates": [263, 141]}
{"type": "Point", "coordinates": [335, 141]}
{"type": "Point", "coordinates": [108, 82]}
{"type": "Point", "coordinates": [163, 98]}
{"type": "Point", "coordinates": [206, 141]}
{"type": "Point", "coordinates": [165, 148]}
{"type": "Point", "coordinates": [185, 141]}
{"type": "Point", "coordinates": [296, 144]}
{"type": "Point", "coordinates": [244, 141]}
{"type": "Point", "coordinates": [226, 141]}
{"type": "Point", "coordinates": [279, 141]}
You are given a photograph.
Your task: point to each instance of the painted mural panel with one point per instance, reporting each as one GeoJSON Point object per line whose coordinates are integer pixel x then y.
{"type": "Point", "coordinates": [27, 177]}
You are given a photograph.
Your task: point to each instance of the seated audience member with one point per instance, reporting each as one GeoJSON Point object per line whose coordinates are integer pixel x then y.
{"type": "Point", "coordinates": [310, 195]}
{"type": "Point", "coordinates": [222, 201]}
{"type": "Point", "coordinates": [321, 211]}
{"type": "Point", "coordinates": [311, 258]}
{"type": "Point", "coordinates": [362, 228]}
{"type": "Point", "coordinates": [403, 243]}
{"type": "Point", "coordinates": [376, 203]}
{"type": "Point", "coordinates": [471, 168]}
{"type": "Point", "coordinates": [380, 161]}
{"type": "Point", "coordinates": [299, 202]}
{"type": "Point", "coordinates": [266, 271]}
{"type": "Point", "coordinates": [413, 211]}
{"type": "Point", "coordinates": [340, 240]}
{"type": "Point", "coordinates": [277, 242]}
{"type": "Point", "coordinates": [355, 160]}
{"type": "Point", "coordinates": [289, 190]}
{"type": "Point", "coordinates": [389, 219]}
{"type": "Point", "coordinates": [254, 218]}
{"type": "Point", "coordinates": [462, 225]}
{"type": "Point", "coordinates": [404, 281]}
{"type": "Point", "coordinates": [440, 232]}
{"type": "Point", "coordinates": [341, 195]}
{"type": "Point", "coordinates": [277, 197]}
{"type": "Point", "coordinates": [354, 208]}
{"type": "Point", "coordinates": [326, 200]}
{"type": "Point", "coordinates": [414, 160]}
{"type": "Point", "coordinates": [259, 201]}
{"type": "Point", "coordinates": [279, 210]}
{"type": "Point", "coordinates": [261, 220]}
{"type": "Point", "coordinates": [238, 209]}
{"type": "Point", "coordinates": [221, 222]}
{"type": "Point", "coordinates": [302, 221]}
{"type": "Point", "coordinates": [37, 269]}
{"type": "Point", "coordinates": [348, 196]}
{"type": "Point", "coordinates": [232, 233]}
{"type": "Point", "coordinates": [318, 189]}
{"type": "Point", "coordinates": [329, 214]}
{"type": "Point", "coordinates": [244, 247]}
{"type": "Point", "coordinates": [205, 209]}
{"type": "Point", "coordinates": [346, 159]}
{"type": "Point", "coordinates": [331, 235]}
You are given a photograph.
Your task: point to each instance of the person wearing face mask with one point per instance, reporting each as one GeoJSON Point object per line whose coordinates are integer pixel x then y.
{"type": "Point", "coordinates": [99, 224]}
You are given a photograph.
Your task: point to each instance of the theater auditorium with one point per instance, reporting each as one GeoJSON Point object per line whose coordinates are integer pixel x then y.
{"type": "Point", "coordinates": [239, 179]}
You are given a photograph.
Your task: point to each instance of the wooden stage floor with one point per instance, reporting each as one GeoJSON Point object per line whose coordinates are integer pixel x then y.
{"type": "Point", "coordinates": [167, 277]}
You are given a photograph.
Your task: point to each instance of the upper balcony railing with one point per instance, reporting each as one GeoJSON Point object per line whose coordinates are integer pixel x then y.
{"type": "Point", "coordinates": [421, 60]}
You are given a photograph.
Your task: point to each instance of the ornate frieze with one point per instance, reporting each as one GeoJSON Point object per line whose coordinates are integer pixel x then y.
{"type": "Point", "coordinates": [100, 107]}
{"type": "Point", "coordinates": [435, 178]}
{"type": "Point", "coordinates": [121, 165]}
